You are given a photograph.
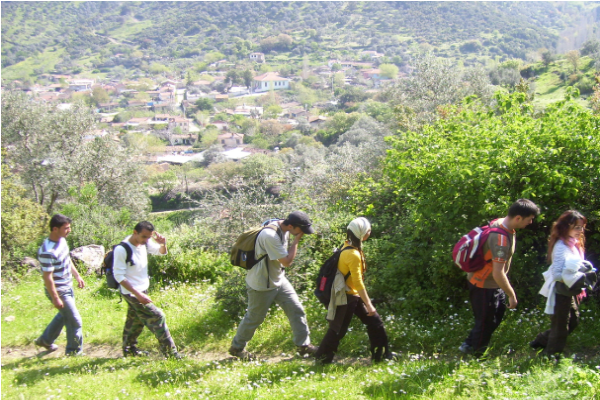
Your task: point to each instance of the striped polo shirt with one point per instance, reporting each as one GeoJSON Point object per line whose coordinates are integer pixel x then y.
{"type": "Point", "coordinates": [55, 258]}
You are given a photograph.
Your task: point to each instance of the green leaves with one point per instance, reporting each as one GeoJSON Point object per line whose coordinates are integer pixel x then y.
{"type": "Point", "coordinates": [467, 169]}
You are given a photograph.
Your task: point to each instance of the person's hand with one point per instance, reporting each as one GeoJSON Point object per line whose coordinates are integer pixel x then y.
{"type": "Point", "coordinates": [144, 299]}
{"type": "Point", "coordinates": [371, 311]}
{"type": "Point", "coordinates": [80, 282]}
{"type": "Point", "coordinates": [512, 302]}
{"type": "Point", "coordinates": [299, 236]}
{"type": "Point", "coordinates": [158, 238]}
{"type": "Point", "coordinates": [58, 303]}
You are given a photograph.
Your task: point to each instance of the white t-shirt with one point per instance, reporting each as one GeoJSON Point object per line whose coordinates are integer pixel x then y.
{"type": "Point", "coordinates": [137, 274]}
{"type": "Point", "coordinates": [268, 277]}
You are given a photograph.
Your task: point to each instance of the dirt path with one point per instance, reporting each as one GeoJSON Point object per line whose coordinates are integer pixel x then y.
{"type": "Point", "coordinates": [10, 353]}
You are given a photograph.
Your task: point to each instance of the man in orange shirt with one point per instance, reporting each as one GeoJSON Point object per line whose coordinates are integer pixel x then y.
{"type": "Point", "coordinates": [489, 286]}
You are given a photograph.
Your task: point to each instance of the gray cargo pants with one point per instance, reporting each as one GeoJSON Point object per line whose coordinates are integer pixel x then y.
{"type": "Point", "coordinates": [258, 305]}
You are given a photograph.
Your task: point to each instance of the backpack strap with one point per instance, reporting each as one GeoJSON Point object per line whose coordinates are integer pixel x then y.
{"type": "Point", "coordinates": [348, 274]}
{"type": "Point", "coordinates": [129, 252]}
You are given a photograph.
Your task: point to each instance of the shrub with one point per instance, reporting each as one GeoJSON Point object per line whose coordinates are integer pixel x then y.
{"type": "Point", "coordinates": [466, 169]}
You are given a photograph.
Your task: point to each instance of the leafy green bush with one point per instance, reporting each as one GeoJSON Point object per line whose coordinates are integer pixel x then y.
{"type": "Point", "coordinates": [467, 169]}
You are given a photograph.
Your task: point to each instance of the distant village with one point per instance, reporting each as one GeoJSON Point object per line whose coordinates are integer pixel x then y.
{"type": "Point", "coordinates": [172, 101]}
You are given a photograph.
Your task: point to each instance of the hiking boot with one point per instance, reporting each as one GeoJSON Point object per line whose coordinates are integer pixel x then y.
{"type": "Point", "coordinates": [49, 348]}
{"type": "Point", "coordinates": [175, 356]}
{"type": "Point", "coordinates": [241, 354]}
{"type": "Point", "coordinates": [380, 354]}
{"type": "Point", "coordinates": [309, 349]}
{"type": "Point", "coordinates": [465, 348]}
{"type": "Point", "coordinates": [535, 345]}
{"type": "Point", "coordinates": [133, 351]}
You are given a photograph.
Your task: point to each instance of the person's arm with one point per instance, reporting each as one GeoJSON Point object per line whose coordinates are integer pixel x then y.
{"type": "Point", "coordinates": [367, 300]}
{"type": "Point", "coordinates": [142, 297]}
{"type": "Point", "coordinates": [502, 281]}
{"type": "Point", "coordinates": [558, 260]}
{"type": "Point", "coordinates": [287, 261]}
{"type": "Point", "coordinates": [78, 278]}
{"type": "Point", "coordinates": [49, 283]}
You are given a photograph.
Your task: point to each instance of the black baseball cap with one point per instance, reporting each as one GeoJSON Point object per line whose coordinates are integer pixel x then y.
{"type": "Point", "coordinates": [301, 220]}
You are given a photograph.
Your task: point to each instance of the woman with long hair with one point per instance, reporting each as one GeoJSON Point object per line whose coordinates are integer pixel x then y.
{"type": "Point", "coordinates": [566, 245]}
{"type": "Point", "coordinates": [352, 267]}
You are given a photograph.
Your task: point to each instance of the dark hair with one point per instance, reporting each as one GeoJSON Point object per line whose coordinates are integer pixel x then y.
{"type": "Point", "coordinates": [357, 243]}
{"type": "Point", "coordinates": [561, 228]}
{"type": "Point", "coordinates": [58, 220]}
{"type": "Point", "coordinates": [523, 208]}
{"type": "Point", "coordinates": [144, 225]}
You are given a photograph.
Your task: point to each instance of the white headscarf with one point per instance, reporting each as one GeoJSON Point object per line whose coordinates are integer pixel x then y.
{"type": "Point", "coordinates": [360, 227]}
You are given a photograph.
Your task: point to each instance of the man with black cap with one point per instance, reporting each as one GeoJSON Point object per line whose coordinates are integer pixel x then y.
{"type": "Point", "coordinates": [266, 283]}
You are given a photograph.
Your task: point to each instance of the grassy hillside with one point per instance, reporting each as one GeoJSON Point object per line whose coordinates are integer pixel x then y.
{"type": "Point", "coordinates": [473, 31]}
{"type": "Point", "coordinates": [551, 82]}
{"type": "Point", "coordinates": [428, 366]}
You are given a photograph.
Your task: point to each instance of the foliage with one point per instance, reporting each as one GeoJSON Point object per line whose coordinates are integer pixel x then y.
{"type": "Point", "coordinates": [23, 221]}
{"type": "Point", "coordinates": [573, 58]}
{"type": "Point", "coordinates": [163, 182]}
{"type": "Point", "coordinates": [389, 71]}
{"type": "Point", "coordinates": [339, 123]}
{"type": "Point", "coordinates": [94, 223]}
{"type": "Point", "coordinates": [52, 154]}
{"type": "Point", "coordinates": [466, 169]}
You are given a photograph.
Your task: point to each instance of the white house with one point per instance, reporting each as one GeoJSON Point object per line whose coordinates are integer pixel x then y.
{"type": "Point", "coordinates": [257, 57]}
{"type": "Point", "coordinates": [268, 81]}
{"type": "Point", "coordinates": [79, 85]}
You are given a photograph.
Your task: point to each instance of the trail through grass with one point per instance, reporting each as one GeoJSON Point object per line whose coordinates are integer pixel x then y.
{"type": "Point", "coordinates": [428, 363]}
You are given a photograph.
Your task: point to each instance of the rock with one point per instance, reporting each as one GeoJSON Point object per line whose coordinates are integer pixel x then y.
{"type": "Point", "coordinates": [31, 263]}
{"type": "Point", "coordinates": [10, 318]}
{"type": "Point", "coordinates": [91, 256]}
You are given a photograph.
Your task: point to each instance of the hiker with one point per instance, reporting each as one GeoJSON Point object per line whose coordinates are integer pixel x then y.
{"type": "Point", "coordinates": [58, 271]}
{"type": "Point", "coordinates": [566, 246]}
{"type": "Point", "coordinates": [134, 283]}
{"type": "Point", "coordinates": [266, 283]}
{"type": "Point", "coordinates": [489, 286]}
{"type": "Point", "coordinates": [357, 301]}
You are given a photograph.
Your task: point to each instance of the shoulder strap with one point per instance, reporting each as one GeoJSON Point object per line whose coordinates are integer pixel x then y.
{"type": "Point", "coordinates": [347, 248]}
{"type": "Point", "coordinates": [129, 257]}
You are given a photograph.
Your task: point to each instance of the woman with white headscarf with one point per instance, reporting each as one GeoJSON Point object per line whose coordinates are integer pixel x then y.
{"type": "Point", "coordinates": [352, 262]}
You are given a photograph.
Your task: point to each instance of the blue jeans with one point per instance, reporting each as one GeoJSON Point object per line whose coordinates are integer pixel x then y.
{"type": "Point", "coordinates": [258, 307]}
{"type": "Point", "coordinates": [68, 317]}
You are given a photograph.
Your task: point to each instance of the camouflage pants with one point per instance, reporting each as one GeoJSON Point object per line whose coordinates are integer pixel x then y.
{"type": "Point", "coordinates": [140, 315]}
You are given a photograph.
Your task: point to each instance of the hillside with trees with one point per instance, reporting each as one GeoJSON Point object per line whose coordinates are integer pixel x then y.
{"type": "Point", "coordinates": [75, 37]}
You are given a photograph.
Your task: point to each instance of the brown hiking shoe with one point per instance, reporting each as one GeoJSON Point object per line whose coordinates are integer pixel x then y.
{"type": "Point", "coordinates": [241, 354]}
{"type": "Point", "coordinates": [309, 349]}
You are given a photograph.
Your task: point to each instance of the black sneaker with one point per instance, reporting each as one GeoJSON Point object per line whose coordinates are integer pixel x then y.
{"type": "Point", "coordinates": [535, 345]}
{"type": "Point", "coordinates": [133, 351]}
{"type": "Point", "coordinates": [241, 354]}
{"type": "Point", "coordinates": [465, 348]}
{"type": "Point", "coordinates": [309, 349]}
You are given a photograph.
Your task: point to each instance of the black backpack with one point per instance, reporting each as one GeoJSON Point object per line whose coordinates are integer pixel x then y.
{"type": "Point", "coordinates": [327, 276]}
{"type": "Point", "coordinates": [107, 264]}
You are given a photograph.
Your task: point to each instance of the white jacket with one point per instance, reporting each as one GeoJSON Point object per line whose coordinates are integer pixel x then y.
{"type": "Point", "coordinates": [565, 266]}
{"type": "Point", "coordinates": [338, 295]}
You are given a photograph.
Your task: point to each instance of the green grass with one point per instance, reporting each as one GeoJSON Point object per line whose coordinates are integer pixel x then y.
{"type": "Point", "coordinates": [24, 69]}
{"type": "Point", "coordinates": [129, 29]}
{"type": "Point", "coordinates": [428, 366]}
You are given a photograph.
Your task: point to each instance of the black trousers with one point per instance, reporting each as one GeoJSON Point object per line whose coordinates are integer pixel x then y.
{"type": "Point", "coordinates": [488, 308]}
{"type": "Point", "coordinates": [564, 321]}
{"type": "Point", "coordinates": [339, 327]}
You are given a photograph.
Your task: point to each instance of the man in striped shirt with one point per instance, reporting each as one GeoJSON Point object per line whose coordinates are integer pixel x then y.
{"type": "Point", "coordinates": [58, 271]}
